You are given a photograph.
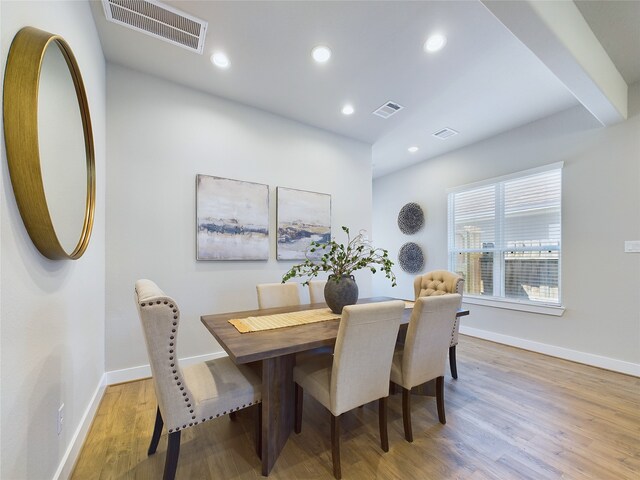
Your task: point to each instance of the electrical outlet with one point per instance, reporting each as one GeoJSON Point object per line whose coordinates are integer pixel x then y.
{"type": "Point", "coordinates": [60, 418]}
{"type": "Point", "coordinates": [632, 246]}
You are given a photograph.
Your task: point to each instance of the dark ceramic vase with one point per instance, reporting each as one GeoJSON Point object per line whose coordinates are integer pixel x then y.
{"type": "Point", "coordinates": [341, 292]}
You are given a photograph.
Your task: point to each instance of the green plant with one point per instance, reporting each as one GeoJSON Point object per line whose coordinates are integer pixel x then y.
{"type": "Point", "coordinates": [339, 259]}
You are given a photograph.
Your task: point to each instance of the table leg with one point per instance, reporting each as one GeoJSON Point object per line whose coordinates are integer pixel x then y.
{"type": "Point", "coordinates": [427, 389]}
{"type": "Point", "coordinates": [277, 407]}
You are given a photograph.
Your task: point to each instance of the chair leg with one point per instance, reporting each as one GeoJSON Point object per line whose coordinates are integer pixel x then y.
{"type": "Point", "coordinates": [157, 431]}
{"type": "Point", "coordinates": [452, 362]}
{"type": "Point", "coordinates": [440, 399]}
{"type": "Point", "coordinates": [258, 421]}
{"type": "Point", "coordinates": [406, 413]}
{"type": "Point", "coordinates": [382, 419]}
{"type": "Point", "coordinates": [173, 451]}
{"type": "Point", "coordinates": [335, 446]}
{"type": "Point", "coordinates": [299, 396]}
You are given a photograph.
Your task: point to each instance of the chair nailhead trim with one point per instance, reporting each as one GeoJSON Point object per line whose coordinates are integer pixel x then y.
{"type": "Point", "coordinates": [172, 364]}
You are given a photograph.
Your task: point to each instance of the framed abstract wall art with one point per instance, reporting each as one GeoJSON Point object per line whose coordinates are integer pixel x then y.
{"type": "Point", "coordinates": [302, 217]}
{"type": "Point", "coordinates": [232, 219]}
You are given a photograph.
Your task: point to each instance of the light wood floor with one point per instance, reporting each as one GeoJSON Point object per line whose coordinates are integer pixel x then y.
{"type": "Point", "coordinates": [511, 414]}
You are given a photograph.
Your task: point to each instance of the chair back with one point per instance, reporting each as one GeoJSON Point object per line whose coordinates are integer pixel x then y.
{"type": "Point", "coordinates": [316, 291]}
{"type": "Point", "coordinates": [428, 337]}
{"type": "Point", "coordinates": [438, 282]}
{"type": "Point", "coordinates": [363, 354]}
{"type": "Point", "coordinates": [273, 295]}
{"type": "Point", "coordinates": [160, 318]}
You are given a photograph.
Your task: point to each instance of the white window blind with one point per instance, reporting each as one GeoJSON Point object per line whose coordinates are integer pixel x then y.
{"type": "Point", "coordinates": [505, 237]}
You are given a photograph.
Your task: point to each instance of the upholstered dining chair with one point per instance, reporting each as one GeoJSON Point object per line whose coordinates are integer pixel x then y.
{"type": "Point", "coordinates": [442, 282]}
{"type": "Point", "coordinates": [191, 395]}
{"type": "Point", "coordinates": [272, 295]}
{"type": "Point", "coordinates": [316, 291]}
{"type": "Point", "coordinates": [357, 373]}
{"type": "Point", "coordinates": [424, 355]}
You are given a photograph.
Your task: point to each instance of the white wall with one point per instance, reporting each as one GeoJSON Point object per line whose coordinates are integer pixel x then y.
{"type": "Point", "coordinates": [160, 136]}
{"type": "Point", "coordinates": [601, 209]}
{"type": "Point", "coordinates": [52, 313]}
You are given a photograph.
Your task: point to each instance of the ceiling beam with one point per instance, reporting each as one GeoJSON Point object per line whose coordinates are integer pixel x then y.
{"type": "Point", "coordinates": [557, 33]}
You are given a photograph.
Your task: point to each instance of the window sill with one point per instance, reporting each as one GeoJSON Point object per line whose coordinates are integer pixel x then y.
{"type": "Point", "coordinates": [553, 310]}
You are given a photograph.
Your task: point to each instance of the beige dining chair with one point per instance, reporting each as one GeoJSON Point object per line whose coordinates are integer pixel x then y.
{"type": "Point", "coordinates": [442, 282]}
{"type": "Point", "coordinates": [424, 355]}
{"type": "Point", "coordinates": [273, 295]}
{"type": "Point", "coordinates": [316, 291]}
{"type": "Point", "coordinates": [194, 394]}
{"type": "Point", "coordinates": [357, 373]}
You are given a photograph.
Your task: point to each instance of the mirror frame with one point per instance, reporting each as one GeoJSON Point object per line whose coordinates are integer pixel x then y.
{"type": "Point", "coordinates": [21, 81]}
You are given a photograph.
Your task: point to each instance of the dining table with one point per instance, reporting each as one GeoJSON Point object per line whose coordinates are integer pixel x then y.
{"type": "Point", "coordinates": [273, 352]}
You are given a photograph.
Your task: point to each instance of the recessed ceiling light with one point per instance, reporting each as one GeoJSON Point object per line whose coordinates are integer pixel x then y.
{"type": "Point", "coordinates": [347, 109]}
{"type": "Point", "coordinates": [219, 59]}
{"type": "Point", "coordinates": [413, 149]}
{"type": "Point", "coordinates": [435, 42]}
{"type": "Point", "coordinates": [321, 53]}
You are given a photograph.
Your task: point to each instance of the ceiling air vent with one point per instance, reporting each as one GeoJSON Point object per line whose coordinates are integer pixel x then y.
{"type": "Point", "coordinates": [388, 109]}
{"type": "Point", "coordinates": [158, 20]}
{"type": "Point", "coordinates": [444, 133]}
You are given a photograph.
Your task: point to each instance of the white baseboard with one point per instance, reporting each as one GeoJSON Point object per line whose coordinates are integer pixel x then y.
{"type": "Point", "coordinates": [144, 371]}
{"type": "Point", "coordinates": [79, 436]}
{"type": "Point", "coordinates": [607, 363]}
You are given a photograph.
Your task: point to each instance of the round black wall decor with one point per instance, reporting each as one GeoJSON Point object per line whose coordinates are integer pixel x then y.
{"type": "Point", "coordinates": [411, 258]}
{"type": "Point", "coordinates": [410, 218]}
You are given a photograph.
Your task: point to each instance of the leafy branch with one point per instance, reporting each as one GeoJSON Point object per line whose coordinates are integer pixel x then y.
{"type": "Point", "coordinates": [339, 260]}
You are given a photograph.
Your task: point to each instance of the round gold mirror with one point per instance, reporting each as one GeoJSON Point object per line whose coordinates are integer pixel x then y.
{"type": "Point", "coordinates": [49, 143]}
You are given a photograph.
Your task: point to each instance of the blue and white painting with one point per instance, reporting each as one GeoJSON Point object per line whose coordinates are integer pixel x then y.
{"type": "Point", "coordinates": [232, 219]}
{"type": "Point", "coordinates": [302, 217]}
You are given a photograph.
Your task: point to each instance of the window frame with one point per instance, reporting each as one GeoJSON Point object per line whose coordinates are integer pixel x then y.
{"type": "Point", "coordinates": [497, 298]}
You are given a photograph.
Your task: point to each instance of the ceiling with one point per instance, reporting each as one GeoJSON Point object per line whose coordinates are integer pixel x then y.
{"type": "Point", "coordinates": [484, 81]}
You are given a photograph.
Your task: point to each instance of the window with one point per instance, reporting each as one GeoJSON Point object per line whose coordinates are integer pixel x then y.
{"type": "Point", "coordinates": [505, 237]}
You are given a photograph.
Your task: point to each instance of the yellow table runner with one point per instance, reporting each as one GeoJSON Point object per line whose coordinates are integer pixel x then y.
{"type": "Point", "coordinates": [281, 320]}
{"type": "Point", "coordinates": [291, 319]}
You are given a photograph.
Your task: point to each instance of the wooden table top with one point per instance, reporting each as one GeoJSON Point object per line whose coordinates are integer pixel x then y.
{"type": "Point", "coordinates": [254, 346]}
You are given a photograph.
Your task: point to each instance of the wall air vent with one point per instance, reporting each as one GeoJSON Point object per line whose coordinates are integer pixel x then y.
{"type": "Point", "coordinates": [158, 20]}
{"type": "Point", "coordinates": [388, 109]}
{"type": "Point", "coordinates": [444, 133]}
